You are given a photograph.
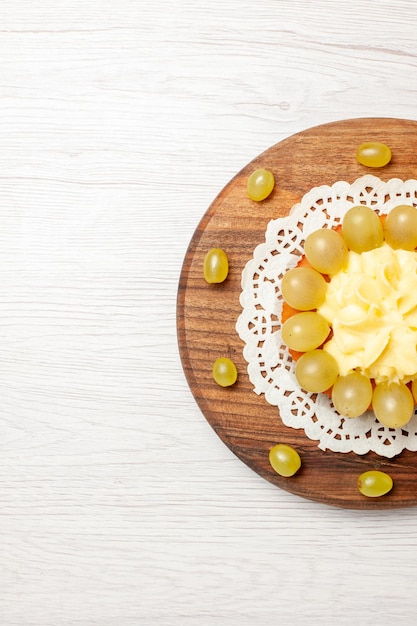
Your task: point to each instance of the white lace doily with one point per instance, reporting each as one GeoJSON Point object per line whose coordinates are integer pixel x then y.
{"type": "Point", "coordinates": [270, 366]}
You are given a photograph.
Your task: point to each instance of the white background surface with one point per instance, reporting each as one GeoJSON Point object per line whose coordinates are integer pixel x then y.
{"type": "Point", "coordinates": [120, 121]}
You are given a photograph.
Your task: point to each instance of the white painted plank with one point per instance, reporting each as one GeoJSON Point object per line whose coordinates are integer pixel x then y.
{"type": "Point", "coordinates": [120, 122]}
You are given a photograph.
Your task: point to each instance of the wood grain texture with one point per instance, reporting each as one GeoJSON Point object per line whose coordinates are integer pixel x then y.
{"type": "Point", "coordinates": [207, 314]}
{"type": "Point", "coordinates": [120, 122]}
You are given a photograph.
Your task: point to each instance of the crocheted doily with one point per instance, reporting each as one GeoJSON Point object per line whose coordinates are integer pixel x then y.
{"type": "Point", "coordinates": [270, 366]}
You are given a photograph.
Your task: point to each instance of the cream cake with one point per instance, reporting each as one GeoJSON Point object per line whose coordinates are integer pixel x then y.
{"type": "Point", "coordinates": [368, 299]}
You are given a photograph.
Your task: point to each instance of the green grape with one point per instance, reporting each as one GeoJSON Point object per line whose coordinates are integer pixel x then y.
{"type": "Point", "coordinates": [260, 184]}
{"type": "Point", "coordinates": [374, 483]}
{"type": "Point", "coordinates": [362, 229]}
{"type": "Point", "coordinates": [326, 251]}
{"type": "Point", "coordinates": [305, 331]}
{"type": "Point", "coordinates": [414, 389]}
{"type": "Point", "coordinates": [316, 371]}
{"type": "Point", "coordinates": [303, 288]}
{"type": "Point", "coordinates": [284, 460]}
{"type": "Point", "coordinates": [373, 154]}
{"type": "Point", "coordinates": [224, 372]}
{"type": "Point", "coordinates": [352, 394]}
{"type": "Point", "coordinates": [216, 266]}
{"type": "Point", "coordinates": [393, 404]}
{"type": "Point", "coordinates": [401, 227]}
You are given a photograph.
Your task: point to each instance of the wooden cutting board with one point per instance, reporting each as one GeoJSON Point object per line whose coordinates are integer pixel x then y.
{"type": "Point", "coordinates": [207, 314]}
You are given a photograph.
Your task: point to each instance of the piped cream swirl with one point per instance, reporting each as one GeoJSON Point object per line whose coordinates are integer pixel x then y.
{"type": "Point", "coordinates": [372, 307]}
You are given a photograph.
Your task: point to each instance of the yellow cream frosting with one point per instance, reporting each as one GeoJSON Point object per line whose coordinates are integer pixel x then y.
{"type": "Point", "coordinates": [371, 305]}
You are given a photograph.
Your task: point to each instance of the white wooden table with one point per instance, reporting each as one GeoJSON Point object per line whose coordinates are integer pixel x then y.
{"type": "Point", "coordinates": [120, 122]}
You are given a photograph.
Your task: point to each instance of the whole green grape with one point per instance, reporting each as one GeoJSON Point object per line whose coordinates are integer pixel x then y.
{"type": "Point", "coordinates": [374, 483]}
{"type": "Point", "coordinates": [303, 288]}
{"type": "Point", "coordinates": [326, 251]}
{"type": "Point", "coordinates": [260, 184]}
{"type": "Point", "coordinates": [373, 154]}
{"type": "Point", "coordinates": [352, 394]}
{"type": "Point", "coordinates": [362, 229]}
{"type": "Point", "coordinates": [305, 331]}
{"type": "Point", "coordinates": [393, 404]}
{"type": "Point", "coordinates": [316, 371]}
{"type": "Point", "coordinates": [284, 460]}
{"type": "Point", "coordinates": [414, 389]}
{"type": "Point", "coordinates": [224, 372]}
{"type": "Point", "coordinates": [216, 266]}
{"type": "Point", "coordinates": [400, 227]}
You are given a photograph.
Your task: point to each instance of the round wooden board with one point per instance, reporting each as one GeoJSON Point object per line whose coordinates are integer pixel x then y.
{"type": "Point", "coordinates": [207, 314]}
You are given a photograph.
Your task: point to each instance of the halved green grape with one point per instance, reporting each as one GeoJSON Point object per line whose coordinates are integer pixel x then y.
{"type": "Point", "coordinates": [326, 250]}
{"type": "Point", "coordinates": [374, 483]}
{"type": "Point", "coordinates": [303, 288]}
{"type": "Point", "coordinates": [362, 229]}
{"type": "Point", "coordinates": [216, 266]}
{"type": "Point", "coordinates": [316, 371]}
{"type": "Point", "coordinates": [400, 227]}
{"type": "Point", "coordinates": [393, 404]}
{"type": "Point", "coordinates": [224, 372]}
{"type": "Point", "coordinates": [260, 184]}
{"type": "Point", "coordinates": [352, 394]}
{"type": "Point", "coordinates": [305, 331]}
{"type": "Point", "coordinates": [373, 154]}
{"type": "Point", "coordinates": [284, 460]}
